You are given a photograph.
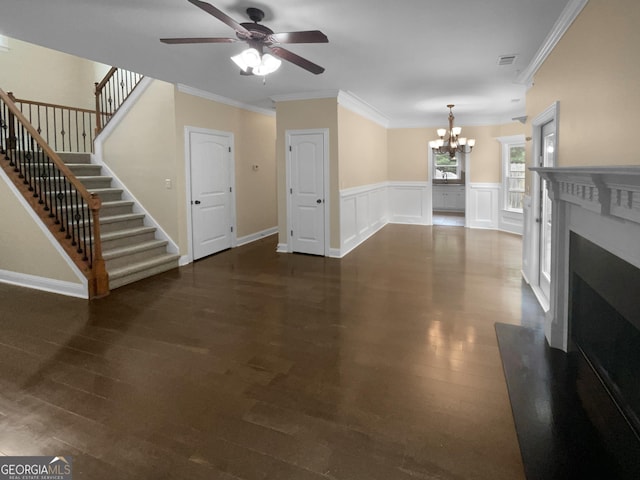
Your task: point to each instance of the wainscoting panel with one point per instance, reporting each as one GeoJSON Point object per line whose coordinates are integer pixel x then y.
{"type": "Point", "coordinates": [511, 222]}
{"type": "Point", "coordinates": [483, 205]}
{"type": "Point", "coordinates": [363, 211]}
{"type": "Point", "coordinates": [410, 202]}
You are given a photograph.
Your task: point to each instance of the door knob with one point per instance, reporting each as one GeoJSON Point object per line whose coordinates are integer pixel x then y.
{"type": "Point", "coordinates": [319, 201]}
{"type": "Point", "coordinates": [197, 202]}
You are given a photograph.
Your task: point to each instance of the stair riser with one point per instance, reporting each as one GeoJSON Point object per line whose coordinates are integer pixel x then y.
{"type": "Point", "coordinates": [135, 257]}
{"type": "Point", "coordinates": [108, 211]}
{"type": "Point", "coordinates": [110, 196]}
{"type": "Point", "coordinates": [127, 241]}
{"type": "Point", "coordinates": [134, 277]}
{"type": "Point", "coordinates": [70, 157]}
{"type": "Point", "coordinates": [85, 170]}
{"type": "Point", "coordinates": [97, 182]}
{"type": "Point", "coordinates": [123, 225]}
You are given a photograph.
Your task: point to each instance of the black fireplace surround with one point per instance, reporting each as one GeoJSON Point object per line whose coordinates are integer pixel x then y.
{"type": "Point", "coordinates": [604, 326]}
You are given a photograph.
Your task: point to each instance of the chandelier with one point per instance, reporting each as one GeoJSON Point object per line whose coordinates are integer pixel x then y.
{"type": "Point", "coordinates": [450, 141]}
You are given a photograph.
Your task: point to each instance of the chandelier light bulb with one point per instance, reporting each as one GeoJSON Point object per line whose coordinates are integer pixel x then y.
{"type": "Point", "coordinates": [471, 142]}
{"type": "Point", "coordinates": [462, 141]}
{"type": "Point", "coordinates": [456, 131]}
{"type": "Point", "coordinates": [441, 132]}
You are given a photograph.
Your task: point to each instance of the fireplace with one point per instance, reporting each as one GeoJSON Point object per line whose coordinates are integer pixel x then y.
{"type": "Point", "coordinates": [594, 311]}
{"type": "Point", "coordinates": [604, 325]}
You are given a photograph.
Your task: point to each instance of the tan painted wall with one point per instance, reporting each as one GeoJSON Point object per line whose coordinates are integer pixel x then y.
{"type": "Point", "coordinates": [362, 150]}
{"type": "Point", "coordinates": [408, 150]}
{"type": "Point", "coordinates": [37, 73]}
{"type": "Point", "coordinates": [142, 153]}
{"type": "Point", "coordinates": [594, 73]}
{"type": "Point", "coordinates": [301, 115]}
{"type": "Point", "coordinates": [254, 137]}
{"type": "Point", "coordinates": [24, 248]}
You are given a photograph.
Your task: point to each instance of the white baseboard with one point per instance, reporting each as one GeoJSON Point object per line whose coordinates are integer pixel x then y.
{"type": "Point", "coordinates": [256, 236]}
{"type": "Point", "coordinates": [184, 260]}
{"type": "Point", "coordinates": [283, 248]}
{"type": "Point", "coordinates": [61, 287]}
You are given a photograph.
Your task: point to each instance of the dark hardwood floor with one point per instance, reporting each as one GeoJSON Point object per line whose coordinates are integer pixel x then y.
{"type": "Point", "coordinates": [257, 365]}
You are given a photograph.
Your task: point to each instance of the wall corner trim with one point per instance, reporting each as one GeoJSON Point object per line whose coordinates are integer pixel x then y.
{"type": "Point", "coordinates": [256, 236]}
{"type": "Point", "coordinates": [569, 14]}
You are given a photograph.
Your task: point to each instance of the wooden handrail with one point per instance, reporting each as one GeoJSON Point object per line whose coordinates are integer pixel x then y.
{"type": "Point", "coordinates": [119, 90]}
{"type": "Point", "coordinates": [107, 77]}
{"type": "Point", "coordinates": [46, 148]}
{"type": "Point", "coordinates": [63, 127]}
{"type": "Point", "coordinates": [51, 105]}
{"type": "Point", "coordinates": [98, 279]}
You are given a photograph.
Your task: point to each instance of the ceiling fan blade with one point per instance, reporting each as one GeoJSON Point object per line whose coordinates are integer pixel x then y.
{"type": "Point", "coordinates": [220, 15]}
{"type": "Point", "coordinates": [311, 36]}
{"type": "Point", "coordinates": [174, 41]}
{"type": "Point", "coordinates": [297, 60]}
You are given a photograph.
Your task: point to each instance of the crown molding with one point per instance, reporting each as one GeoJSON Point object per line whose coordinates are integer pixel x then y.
{"type": "Point", "coordinates": [477, 121]}
{"type": "Point", "coordinates": [569, 14]}
{"type": "Point", "coordinates": [290, 97]}
{"type": "Point", "coordinates": [196, 92]}
{"type": "Point", "coordinates": [349, 101]}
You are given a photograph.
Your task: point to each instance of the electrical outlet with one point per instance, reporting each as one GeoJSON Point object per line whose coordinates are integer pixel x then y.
{"type": "Point", "coordinates": [167, 183]}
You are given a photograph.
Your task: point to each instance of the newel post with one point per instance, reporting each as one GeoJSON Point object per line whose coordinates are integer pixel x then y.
{"type": "Point", "coordinates": [98, 119]}
{"type": "Point", "coordinates": [11, 137]}
{"type": "Point", "coordinates": [100, 280]}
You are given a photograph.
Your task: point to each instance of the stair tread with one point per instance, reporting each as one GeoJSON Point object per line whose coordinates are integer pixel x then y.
{"type": "Point", "coordinates": [131, 249]}
{"type": "Point", "coordinates": [143, 265]}
{"type": "Point", "coordinates": [126, 233]}
{"type": "Point", "coordinates": [121, 217]}
{"type": "Point", "coordinates": [93, 177]}
{"type": "Point", "coordinates": [104, 189]}
{"type": "Point", "coordinates": [114, 203]}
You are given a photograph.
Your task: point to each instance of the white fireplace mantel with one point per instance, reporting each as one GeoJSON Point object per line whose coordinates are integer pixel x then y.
{"type": "Point", "coordinates": [602, 204]}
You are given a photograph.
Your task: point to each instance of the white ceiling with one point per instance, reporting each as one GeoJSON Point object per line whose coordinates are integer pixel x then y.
{"type": "Point", "coordinates": [405, 58]}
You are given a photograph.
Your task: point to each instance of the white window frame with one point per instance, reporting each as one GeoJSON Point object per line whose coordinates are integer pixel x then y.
{"type": "Point", "coordinates": [507, 144]}
{"type": "Point", "coordinates": [458, 168]}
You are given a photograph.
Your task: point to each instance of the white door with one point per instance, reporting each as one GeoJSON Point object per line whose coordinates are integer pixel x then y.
{"type": "Point", "coordinates": [211, 193]}
{"type": "Point", "coordinates": [547, 149]}
{"type": "Point", "coordinates": [307, 192]}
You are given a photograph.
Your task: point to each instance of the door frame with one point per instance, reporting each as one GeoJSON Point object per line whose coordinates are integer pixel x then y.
{"type": "Point", "coordinates": [327, 203]}
{"type": "Point", "coordinates": [188, 130]}
{"type": "Point", "coordinates": [467, 188]}
{"type": "Point", "coordinates": [548, 115]}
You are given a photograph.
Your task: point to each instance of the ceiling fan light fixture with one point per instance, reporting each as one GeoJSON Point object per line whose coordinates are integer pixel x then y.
{"type": "Point", "coordinates": [239, 61]}
{"type": "Point", "coordinates": [268, 65]}
{"type": "Point", "coordinates": [251, 57]}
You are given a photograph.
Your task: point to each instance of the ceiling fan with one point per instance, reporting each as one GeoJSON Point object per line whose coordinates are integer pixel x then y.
{"type": "Point", "coordinates": [263, 42]}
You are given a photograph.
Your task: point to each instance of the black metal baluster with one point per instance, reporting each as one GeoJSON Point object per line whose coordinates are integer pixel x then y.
{"type": "Point", "coordinates": [90, 234]}
{"type": "Point", "coordinates": [59, 200]}
{"type": "Point", "coordinates": [77, 132]}
{"type": "Point", "coordinates": [21, 160]}
{"type": "Point", "coordinates": [50, 187]}
{"type": "Point", "coordinates": [77, 216]}
{"type": "Point", "coordinates": [84, 230]}
{"type": "Point", "coordinates": [55, 131]}
{"type": "Point", "coordinates": [65, 211]}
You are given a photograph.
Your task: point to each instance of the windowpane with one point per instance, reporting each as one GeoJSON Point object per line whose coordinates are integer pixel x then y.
{"type": "Point", "coordinates": [445, 167]}
{"type": "Point", "coordinates": [515, 172]}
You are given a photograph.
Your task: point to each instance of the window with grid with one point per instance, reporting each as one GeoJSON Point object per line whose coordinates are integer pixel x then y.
{"type": "Point", "coordinates": [445, 167]}
{"type": "Point", "coordinates": [514, 168]}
